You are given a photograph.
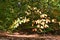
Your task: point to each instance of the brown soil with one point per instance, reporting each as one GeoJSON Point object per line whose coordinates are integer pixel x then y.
{"type": "Point", "coordinates": [18, 36]}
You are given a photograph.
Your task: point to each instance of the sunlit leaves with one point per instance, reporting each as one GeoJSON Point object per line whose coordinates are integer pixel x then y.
{"type": "Point", "coordinates": [29, 13]}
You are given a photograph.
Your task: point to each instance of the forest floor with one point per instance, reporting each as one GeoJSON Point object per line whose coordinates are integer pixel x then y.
{"type": "Point", "coordinates": [18, 36]}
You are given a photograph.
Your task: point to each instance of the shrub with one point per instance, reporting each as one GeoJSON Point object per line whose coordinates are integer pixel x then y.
{"type": "Point", "coordinates": [40, 15]}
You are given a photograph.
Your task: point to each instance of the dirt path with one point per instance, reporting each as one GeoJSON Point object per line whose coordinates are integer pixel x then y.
{"type": "Point", "coordinates": [17, 36]}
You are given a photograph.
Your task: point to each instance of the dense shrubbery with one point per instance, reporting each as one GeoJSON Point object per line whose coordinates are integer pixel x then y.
{"type": "Point", "coordinates": [40, 15]}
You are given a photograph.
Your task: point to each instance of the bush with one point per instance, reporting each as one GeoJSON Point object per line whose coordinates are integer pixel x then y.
{"type": "Point", "coordinates": [40, 15]}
